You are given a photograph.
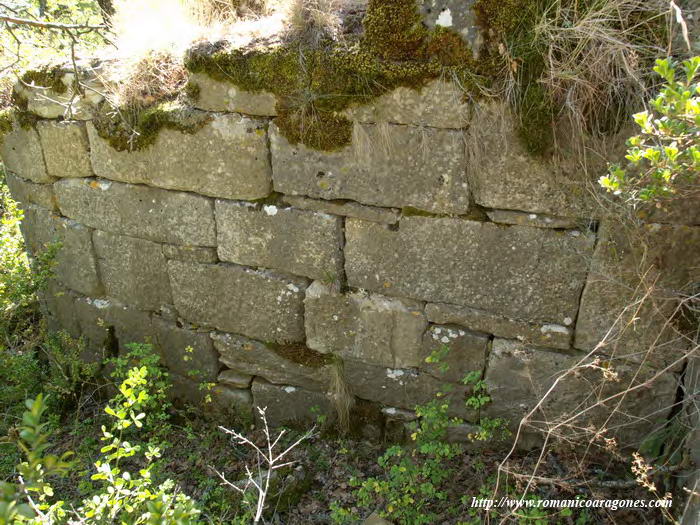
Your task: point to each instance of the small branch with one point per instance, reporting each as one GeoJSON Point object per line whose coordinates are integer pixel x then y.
{"type": "Point", "coordinates": [49, 25]}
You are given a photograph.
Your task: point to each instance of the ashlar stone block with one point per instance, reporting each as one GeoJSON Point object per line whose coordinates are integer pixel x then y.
{"type": "Point", "coordinates": [186, 352]}
{"type": "Point", "coordinates": [542, 270]}
{"type": "Point", "coordinates": [28, 192]}
{"type": "Point", "coordinates": [139, 211]}
{"type": "Point", "coordinates": [227, 158]}
{"type": "Point", "coordinates": [133, 270]}
{"type": "Point", "coordinates": [76, 266]}
{"type": "Point", "coordinates": [289, 405]}
{"type": "Point", "coordinates": [391, 166]}
{"type": "Point", "coordinates": [366, 327]}
{"type": "Point", "coordinates": [287, 365]}
{"type": "Point", "coordinates": [257, 304]}
{"type": "Point", "coordinates": [66, 148]}
{"type": "Point", "coordinates": [296, 241]}
{"type": "Point", "coordinates": [22, 155]}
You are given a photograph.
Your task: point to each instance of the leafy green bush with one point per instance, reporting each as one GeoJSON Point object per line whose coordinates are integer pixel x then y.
{"type": "Point", "coordinates": [663, 160]}
{"type": "Point", "coordinates": [127, 497]}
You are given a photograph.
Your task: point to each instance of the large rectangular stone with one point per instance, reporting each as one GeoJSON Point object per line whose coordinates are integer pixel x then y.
{"type": "Point", "coordinates": [214, 95]}
{"type": "Point", "coordinates": [258, 304]}
{"type": "Point", "coordinates": [66, 148]}
{"type": "Point", "coordinates": [28, 192]}
{"type": "Point", "coordinates": [289, 405]}
{"type": "Point", "coordinates": [150, 213]}
{"type": "Point", "coordinates": [466, 352]}
{"type": "Point", "coordinates": [504, 175]}
{"type": "Point", "coordinates": [519, 377]}
{"type": "Point", "coordinates": [186, 352]}
{"type": "Point", "coordinates": [404, 388]}
{"type": "Point", "coordinates": [227, 157]}
{"type": "Point", "coordinates": [22, 154]}
{"type": "Point", "coordinates": [291, 365]}
{"type": "Point", "coordinates": [438, 104]}
{"type": "Point", "coordinates": [133, 270]}
{"type": "Point", "coordinates": [405, 167]}
{"type": "Point", "coordinates": [295, 241]}
{"type": "Point", "coordinates": [550, 335]}
{"type": "Point", "coordinates": [517, 271]}
{"type": "Point", "coordinates": [630, 295]}
{"type": "Point", "coordinates": [370, 328]}
{"type": "Point", "coordinates": [76, 266]}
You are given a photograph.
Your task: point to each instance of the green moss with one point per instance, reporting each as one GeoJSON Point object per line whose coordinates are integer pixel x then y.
{"type": "Point", "coordinates": [300, 354]}
{"type": "Point", "coordinates": [313, 86]}
{"type": "Point", "coordinates": [192, 91]}
{"type": "Point", "coordinates": [137, 128]}
{"type": "Point", "coordinates": [47, 77]}
{"type": "Point", "coordinates": [5, 122]}
{"type": "Point", "coordinates": [535, 129]}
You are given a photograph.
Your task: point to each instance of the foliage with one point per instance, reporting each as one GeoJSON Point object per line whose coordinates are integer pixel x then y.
{"type": "Point", "coordinates": [414, 475]}
{"type": "Point", "coordinates": [663, 160]}
{"type": "Point", "coordinates": [129, 497]}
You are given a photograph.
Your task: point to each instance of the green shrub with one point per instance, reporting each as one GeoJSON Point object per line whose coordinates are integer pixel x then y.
{"type": "Point", "coordinates": [663, 160]}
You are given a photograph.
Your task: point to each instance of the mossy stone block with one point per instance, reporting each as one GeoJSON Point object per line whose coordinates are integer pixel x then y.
{"type": "Point", "coordinates": [133, 270]}
{"type": "Point", "coordinates": [392, 166]}
{"type": "Point", "coordinates": [227, 157]}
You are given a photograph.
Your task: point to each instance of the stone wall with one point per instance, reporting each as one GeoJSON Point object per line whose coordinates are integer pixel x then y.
{"type": "Point", "coordinates": [269, 268]}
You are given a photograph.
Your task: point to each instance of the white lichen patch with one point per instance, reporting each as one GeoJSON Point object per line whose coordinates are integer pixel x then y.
{"type": "Point", "coordinates": [270, 210]}
{"type": "Point", "coordinates": [554, 329]}
{"type": "Point", "coordinates": [289, 389]}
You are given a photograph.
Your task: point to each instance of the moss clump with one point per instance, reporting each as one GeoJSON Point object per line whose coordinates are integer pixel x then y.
{"type": "Point", "coordinates": [47, 77]}
{"type": "Point", "coordinates": [5, 122]}
{"type": "Point", "coordinates": [137, 128]}
{"type": "Point", "coordinates": [314, 85]}
{"type": "Point", "coordinates": [300, 354]}
{"type": "Point", "coordinates": [192, 91]}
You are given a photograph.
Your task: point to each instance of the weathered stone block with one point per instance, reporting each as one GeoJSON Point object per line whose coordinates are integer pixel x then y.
{"type": "Point", "coordinates": [22, 155]}
{"type": "Point", "coordinates": [438, 104]}
{"type": "Point", "coordinates": [201, 254]}
{"type": "Point", "coordinates": [292, 365]}
{"type": "Point", "coordinates": [550, 335]}
{"type": "Point", "coordinates": [616, 308]}
{"type": "Point", "coordinates": [75, 261]}
{"type": "Point", "coordinates": [140, 211]}
{"type": "Point", "coordinates": [234, 379]}
{"type": "Point", "coordinates": [185, 391]}
{"type": "Point", "coordinates": [533, 219]}
{"type": "Point", "coordinates": [503, 175]}
{"type": "Point", "coordinates": [289, 405]}
{"type": "Point", "coordinates": [133, 270]}
{"type": "Point", "coordinates": [295, 241]}
{"type": "Point", "coordinates": [237, 400]}
{"type": "Point", "coordinates": [57, 303]}
{"type": "Point", "coordinates": [254, 303]}
{"type": "Point", "coordinates": [227, 158]}
{"type": "Point", "coordinates": [403, 388]}
{"type": "Point", "coordinates": [186, 352]}
{"type": "Point", "coordinates": [214, 95]}
{"type": "Point", "coordinates": [518, 377]}
{"type": "Point", "coordinates": [370, 328]}
{"type": "Point", "coordinates": [345, 208]}
{"type": "Point", "coordinates": [467, 352]}
{"type": "Point", "coordinates": [66, 148]}
{"type": "Point", "coordinates": [47, 103]}
{"type": "Point", "coordinates": [27, 192]}
{"type": "Point", "coordinates": [394, 166]}
{"type": "Point", "coordinates": [109, 326]}
{"type": "Point", "coordinates": [543, 270]}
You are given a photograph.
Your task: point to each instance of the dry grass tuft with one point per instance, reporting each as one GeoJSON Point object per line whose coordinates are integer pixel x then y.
{"type": "Point", "coordinates": [313, 21]}
{"type": "Point", "coordinates": [597, 59]}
